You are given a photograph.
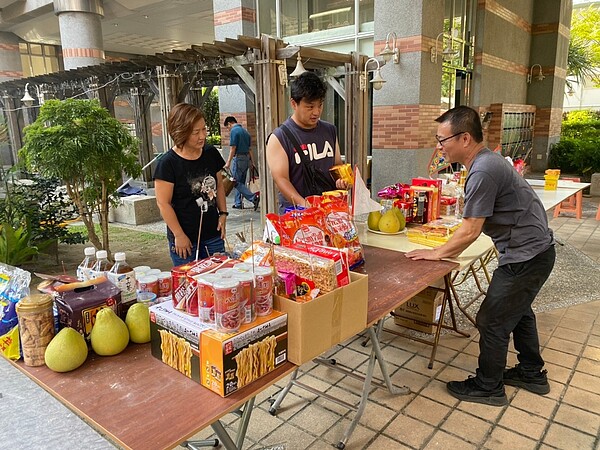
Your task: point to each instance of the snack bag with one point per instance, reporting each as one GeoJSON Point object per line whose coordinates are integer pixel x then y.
{"type": "Point", "coordinates": [14, 285]}
{"type": "Point", "coordinates": [341, 232]}
{"type": "Point", "coordinates": [305, 225]}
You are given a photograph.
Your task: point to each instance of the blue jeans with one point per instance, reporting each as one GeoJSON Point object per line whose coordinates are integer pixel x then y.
{"type": "Point", "coordinates": [207, 248]}
{"type": "Point", "coordinates": [239, 169]}
{"type": "Point", "coordinates": [507, 309]}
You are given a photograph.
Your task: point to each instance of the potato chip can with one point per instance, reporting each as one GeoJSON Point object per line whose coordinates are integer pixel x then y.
{"type": "Point", "coordinates": [206, 297]}
{"type": "Point", "coordinates": [246, 296]}
{"type": "Point", "coordinates": [263, 290]}
{"type": "Point", "coordinates": [164, 284]}
{"type": "Point", "coordinates": [227, 305]}
{"type": "Point", "coordinates": [179, 284]}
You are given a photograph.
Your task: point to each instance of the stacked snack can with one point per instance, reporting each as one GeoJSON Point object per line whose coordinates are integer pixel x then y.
{"type": "Point", "coordinates": [246, 291]}
{"type": "Point", "coordinates": [206, 297]}
{"type": "Point", "coordinates": [227, 305]}
{"type": "Point", "coordinates": [36, 327]}
{"type": "Point", "coordinates": [263, 290]}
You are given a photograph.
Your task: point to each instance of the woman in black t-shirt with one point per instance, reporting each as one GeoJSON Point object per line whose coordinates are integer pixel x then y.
{"type": "Point", "coordinates": [187, 183]}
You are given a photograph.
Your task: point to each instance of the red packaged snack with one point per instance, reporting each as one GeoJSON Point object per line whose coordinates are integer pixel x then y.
{"type": "Point", "coordinates": [300, 226]}
{"type": "Point", "coordinates": [342, 232]}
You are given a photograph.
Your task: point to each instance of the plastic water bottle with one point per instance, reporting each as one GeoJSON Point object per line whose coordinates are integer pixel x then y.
{"type": "Point", "coordinates": [122, 275]}
{"type": "Point", "coordinates": [84, 269]}
{"type": "Point", "coordinates": [102, 265]}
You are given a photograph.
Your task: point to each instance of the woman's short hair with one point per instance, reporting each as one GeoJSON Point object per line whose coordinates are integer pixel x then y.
{"type": "Point", "coordinates": [181, 121]}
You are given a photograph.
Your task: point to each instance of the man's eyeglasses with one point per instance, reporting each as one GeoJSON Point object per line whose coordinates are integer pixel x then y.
{"type": "Point", "coordinates": [441, 141]}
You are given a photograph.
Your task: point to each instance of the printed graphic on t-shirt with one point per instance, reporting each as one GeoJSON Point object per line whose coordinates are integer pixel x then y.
{"type": "Point", "coordinates": [313, 153]}
{"type": "Point", "coordinates": [204, 188]}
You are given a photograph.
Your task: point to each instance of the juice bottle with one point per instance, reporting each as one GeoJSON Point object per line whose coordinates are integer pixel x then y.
{"type": "Point", "coordinates": [122, 275]}
{"type": "Point", "coordinates": [102, 265]}
{"type": "Point", "coordinates": [84, 269]}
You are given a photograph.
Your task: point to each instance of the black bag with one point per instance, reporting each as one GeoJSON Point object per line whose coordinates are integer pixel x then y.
{"type": "Point", "coordinates": [315, 180]}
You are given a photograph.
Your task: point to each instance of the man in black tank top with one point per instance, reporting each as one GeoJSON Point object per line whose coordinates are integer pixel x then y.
{"type": "Point", "coordinates": [317, 139]}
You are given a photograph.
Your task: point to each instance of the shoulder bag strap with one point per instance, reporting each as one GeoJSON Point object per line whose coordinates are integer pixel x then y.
{"type": "Point", "coordinates": [290, 135]}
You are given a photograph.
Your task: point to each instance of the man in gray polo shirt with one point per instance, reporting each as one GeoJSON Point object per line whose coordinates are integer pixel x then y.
{"type": "Point", "coordinates": [501, 204]}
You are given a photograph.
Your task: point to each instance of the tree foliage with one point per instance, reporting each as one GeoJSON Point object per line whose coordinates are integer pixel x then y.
{"type": "Point", "coordinates": [78, 142]}
{"type": "Point", "coordinates": [584, 49]}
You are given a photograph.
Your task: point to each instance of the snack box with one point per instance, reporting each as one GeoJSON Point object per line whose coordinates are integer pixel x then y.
{"type": "Point", "coordinates": [340, 257]}
{"type": "Point", "coordinates": [437, 183]}
{"type": "Point", "coordinates": [317, 325]}
{"type": "Point", "coordinates": [421, 312]}
{"type": "Point", "coordinates": [78, 303]}
{"type": "Point", "coordinates": [433, 234]}
{"type": "Point", "coordinates": [222, 362]}
{"type": "Point", "coordinates": [433, 201]}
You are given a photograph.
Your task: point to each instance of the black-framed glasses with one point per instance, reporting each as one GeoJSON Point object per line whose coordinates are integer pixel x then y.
{"type": "Point", "coordinates": [441, 141]}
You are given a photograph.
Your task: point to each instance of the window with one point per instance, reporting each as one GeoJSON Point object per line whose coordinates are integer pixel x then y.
{"type": "Point", "coordinates": [38, 59]}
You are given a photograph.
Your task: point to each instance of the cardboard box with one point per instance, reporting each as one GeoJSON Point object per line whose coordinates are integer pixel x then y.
{"type": "Point", "coordinates": [318, 325]}
{"type": "Point", "coordinates": [211, 358]}
{"type": "Point", "coordinates": [421, 311]}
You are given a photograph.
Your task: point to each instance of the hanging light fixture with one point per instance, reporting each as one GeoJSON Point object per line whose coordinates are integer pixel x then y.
{"type": "Point", "coordinates": [27, 99]}
{"type": "Point", "coordinates": [540, 76]}
{"type": "Point", "coordinates": [299, 70]}
{"type": "Point", "coordinates": [448, 51]}
{"type": "Point", "coordinates": [377, 80]}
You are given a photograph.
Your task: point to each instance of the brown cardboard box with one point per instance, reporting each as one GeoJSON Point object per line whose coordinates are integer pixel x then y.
{"type": "Point", "coordinates": [318, 325]}
{"type": "Point", "coordinates": [420, 311]}
{"type": "Point", "coordinates": [212, 357]}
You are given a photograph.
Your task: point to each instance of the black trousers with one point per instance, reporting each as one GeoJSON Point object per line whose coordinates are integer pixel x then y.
{"type": "Point", "coordinates": [507, 309]}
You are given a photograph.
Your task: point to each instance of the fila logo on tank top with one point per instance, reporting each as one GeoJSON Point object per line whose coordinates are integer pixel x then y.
{"type": "Point", "coordinates": [313, 153]}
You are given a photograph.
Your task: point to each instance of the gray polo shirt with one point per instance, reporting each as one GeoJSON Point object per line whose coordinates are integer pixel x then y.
{"type": "Point", "coordinates": [515, 218]}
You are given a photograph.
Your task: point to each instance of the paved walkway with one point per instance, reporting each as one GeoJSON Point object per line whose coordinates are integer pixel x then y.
{"type": "Point", "coordinates": [567, 418]}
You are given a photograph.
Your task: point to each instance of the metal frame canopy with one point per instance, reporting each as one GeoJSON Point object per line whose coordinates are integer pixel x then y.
{"type": "Point", "coordinates": [260, 66]}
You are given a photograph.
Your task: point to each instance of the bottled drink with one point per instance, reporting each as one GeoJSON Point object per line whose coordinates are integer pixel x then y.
{"type": "Point", "coordinates": [102, 265]}
{"type": "Point", "coordinates": [460, 194]}
{"type": "Point", "coordinates": [85, 268]}
{"type": "Point", "coordinates": [122, 275]}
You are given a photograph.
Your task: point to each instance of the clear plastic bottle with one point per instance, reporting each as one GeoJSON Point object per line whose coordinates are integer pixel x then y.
{"type": "Point", "coordinates": [84, 269]}
{"type": "Point", "coordinates": [460, 194]}
{"type": "Point", "coordinates": [102, 265]}
{"type": "Point", "coordinates": [122, 275]}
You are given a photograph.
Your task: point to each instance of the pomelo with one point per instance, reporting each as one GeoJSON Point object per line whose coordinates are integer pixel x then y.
{"type": "Point", "coordinates": [138, 323]}
{"type": "Point", "coordinates": [109, 335]}
{"type": "Point", "coordinates": [66, 351]}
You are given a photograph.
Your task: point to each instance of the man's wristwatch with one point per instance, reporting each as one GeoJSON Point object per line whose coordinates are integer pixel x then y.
{"type": "Point", "coordinates": [223, 213]}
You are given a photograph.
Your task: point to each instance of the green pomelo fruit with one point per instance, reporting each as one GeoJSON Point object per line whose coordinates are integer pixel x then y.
{"type": "Point", "coordinates": [66, 351]}
{"type": "Point", "coordinates": [400, 217]}
{"type": "Point", "coordinates": [389, 223]}
{"type": "Point", "coordinates": [109, 335]}
{"type": "Point", "coordinates": [373, 220]}
{"type": "Point", "coordinates": [138, 323]}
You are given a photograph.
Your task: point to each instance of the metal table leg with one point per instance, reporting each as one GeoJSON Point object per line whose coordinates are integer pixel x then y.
{"type": "Point", "coordinates": [224, 436]}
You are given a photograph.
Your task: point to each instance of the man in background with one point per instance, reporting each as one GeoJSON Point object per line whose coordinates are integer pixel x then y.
{"type": "Point", "coordinates": [240, 160]}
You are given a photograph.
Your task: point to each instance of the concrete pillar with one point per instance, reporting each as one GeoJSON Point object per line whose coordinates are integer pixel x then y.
{"type": "Point", "coordinates": [10, 58]}
{"type": "Point", "coordinates": [11, 114]}
{"type": "Point", "coordinates": [80, 32]}
{"type": "Point", "coordinates": [233, 18]}
{"type": "Point", "coordinates": [549, 48]}
{"type": "Point", "coordinates": [10, 69]}
{"type": "Point", "coordinates": [405, 108]}
{"type": "Point", "coordinates": [169, 87]}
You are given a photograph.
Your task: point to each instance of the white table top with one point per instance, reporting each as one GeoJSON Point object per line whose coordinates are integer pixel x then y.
{"type": "Point", "coordinates": [562, 184]}
{"type": "Point", "coordinates": [565, 189]}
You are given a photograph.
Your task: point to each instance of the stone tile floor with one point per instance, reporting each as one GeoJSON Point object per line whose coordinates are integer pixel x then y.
{"type": "Point", "coordinates": [566, 418]}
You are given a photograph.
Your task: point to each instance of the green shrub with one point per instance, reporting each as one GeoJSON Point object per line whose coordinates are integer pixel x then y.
{"type": "Point", "coordinates": [578, 150]}
{"type": "Point", "coordinates": [214, 139]}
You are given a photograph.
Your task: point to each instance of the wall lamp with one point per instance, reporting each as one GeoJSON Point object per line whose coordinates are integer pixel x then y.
{"type": "Point", "coordinates": [540, 76]}
{"type": "Point", "coordinates": [377, 80]}
{"type": "Point", "coordinates": [27, 99]}
{"type": "Point", "coordinates": [299, 70]}
{"type": "Point", "coordinates": [448, 52]}
{"type": "Point", "coordinates": [388, 52]}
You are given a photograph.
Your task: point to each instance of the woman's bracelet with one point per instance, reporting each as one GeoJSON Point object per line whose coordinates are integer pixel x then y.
{"type": "Point", "coordinates": [223, 213]}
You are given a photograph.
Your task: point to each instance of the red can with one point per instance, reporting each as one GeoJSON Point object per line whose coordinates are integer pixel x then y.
{"type": "Point", "coordinates": [164, 284]}
{"type": "Point", "coordinates": [148, 283]}
{"type": "Point", "coordinates": [179, 285]}
{"type": "Point", "coordinates": [263, 290]}
{"type": "Point", "coordinates": [227, 305]}
{"type": "Point", "coordinates": [246, 296]}
{"type": "Point", "coordinates": [206, 297]}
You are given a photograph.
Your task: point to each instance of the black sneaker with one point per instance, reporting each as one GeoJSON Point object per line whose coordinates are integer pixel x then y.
{"type": "Point", "coordinates": [238, 207]}
{"type": "Point", "coordinates": [537, 383]}
{"type": "Point", "coordinates": [256, 201]}
{"type": "Point", "coordinates": [469, 391]}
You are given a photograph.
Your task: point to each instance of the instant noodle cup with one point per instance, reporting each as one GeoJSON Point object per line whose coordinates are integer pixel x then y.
{"type": "Point", "coordinates": [140, 270]}
{"type": "Point", "coordinates": [246, 296]}
{"type": "Point", "coordinates": [164, 284]}
{"type": "Point", "coordinates": [243, 267]}
{"type": "Point", "coordinates": [263, 290]}
{"type": "Point", "coordinates": [225, 272]}
{"type": "Point", "coordinates": [206, 297]}
{"type": "Point", "coordinates": [155, 272]}
{"type": "Point", "coordinates": [227, 305]}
